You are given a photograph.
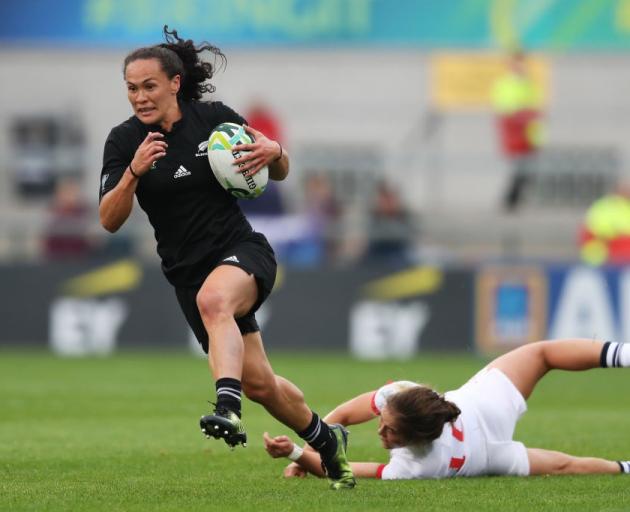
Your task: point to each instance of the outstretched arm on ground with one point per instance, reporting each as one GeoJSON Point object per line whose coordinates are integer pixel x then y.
{"type": "Point", "coordinates": [310, 461]}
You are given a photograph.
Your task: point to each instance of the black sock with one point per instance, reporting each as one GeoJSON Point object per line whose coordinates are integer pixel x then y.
{"type": "Point", "coordinates": [320, 437]}
{"type": "Point", "coordinates": [229, 395]}
{"type": "Point", "coordinates": [604, 355]}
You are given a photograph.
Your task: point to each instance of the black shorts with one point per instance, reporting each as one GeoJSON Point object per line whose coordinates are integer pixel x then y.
{"type": "Point", "coordinates": [256, 257]}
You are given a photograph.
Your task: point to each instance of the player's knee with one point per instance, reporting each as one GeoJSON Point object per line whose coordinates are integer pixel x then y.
{"type": "Point", "coordinates": [212, 304]}
{"type": "Point", "coordinates": [536, 353]}
{"type": "Point", "coordinates": [563, 464]}
{"type": "Point", "coordinates": [544, 348]}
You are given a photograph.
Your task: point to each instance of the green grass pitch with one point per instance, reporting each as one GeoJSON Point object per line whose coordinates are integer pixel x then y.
{"type": "Point", "coordinates": [121, 434]}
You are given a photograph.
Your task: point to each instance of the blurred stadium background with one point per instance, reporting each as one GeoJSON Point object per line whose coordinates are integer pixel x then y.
{"type": "Point", "coordinates": [391, 230]}
{"type": "Point", "coordinates": [395, 241]}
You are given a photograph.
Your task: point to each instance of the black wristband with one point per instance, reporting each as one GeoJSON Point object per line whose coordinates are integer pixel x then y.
{"type": "Point", "coordinates": [280, 155]}
{"type": "Point", "coordinates": [133, 173]}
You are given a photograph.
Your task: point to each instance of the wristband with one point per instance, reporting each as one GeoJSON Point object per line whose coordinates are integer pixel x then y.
{"type": "Point", "coordinates": [280, 155]}
{"type": "Point", "coordinates": [296, 453]}
{"type": "Point", "coordinates": [133, 173]}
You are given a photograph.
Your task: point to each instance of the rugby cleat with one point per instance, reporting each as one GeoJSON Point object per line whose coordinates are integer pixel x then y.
{"type": "Point", "coordinates": [337, 468]}
{"type": "Point", "coordinates": [224, 424]}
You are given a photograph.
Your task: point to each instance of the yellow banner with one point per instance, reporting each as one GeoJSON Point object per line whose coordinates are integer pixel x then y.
{"type": "Point", "coordinates": [465, 81]}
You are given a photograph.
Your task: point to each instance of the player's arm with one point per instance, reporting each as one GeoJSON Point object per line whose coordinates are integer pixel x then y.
{"type": "Point", "coordinates": [263, 151]}
{"type": "Point", "coordinates": [354, 411]}
{"type": "Point", "coordinates": [359, 470]}
{"type": "Point", "coordinates": [279, 167]}
{"type": "Point", "coordinates": [365, 469]}
{"type": "Point", "coordinates": [116, 204]}
{"type": "Point", "coordinates": [309, 461]}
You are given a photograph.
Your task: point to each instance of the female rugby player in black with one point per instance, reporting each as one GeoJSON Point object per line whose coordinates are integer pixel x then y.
{"type": "Point", "coordinates": [220, 268]}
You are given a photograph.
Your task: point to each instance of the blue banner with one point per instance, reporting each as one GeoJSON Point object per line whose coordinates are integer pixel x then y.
{"type": "Point", "coordinates": [475, 24]}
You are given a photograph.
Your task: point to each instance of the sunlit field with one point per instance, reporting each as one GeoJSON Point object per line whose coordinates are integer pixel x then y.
{"type": "Point", "coordinates": [122, 433]}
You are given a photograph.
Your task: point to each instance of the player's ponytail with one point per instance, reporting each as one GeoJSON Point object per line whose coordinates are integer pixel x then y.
{"type": "Point", "coordinates": [419, 414]}
{"type": "Point", "coordinates": [181, 57]}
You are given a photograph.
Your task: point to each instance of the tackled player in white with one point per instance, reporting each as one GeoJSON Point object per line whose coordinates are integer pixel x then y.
{"type": "Point", "coordinates": [468, 431]}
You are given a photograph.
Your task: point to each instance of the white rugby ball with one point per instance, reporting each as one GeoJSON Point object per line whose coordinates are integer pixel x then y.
{"type": "Point", "coordinates": [222, 151]}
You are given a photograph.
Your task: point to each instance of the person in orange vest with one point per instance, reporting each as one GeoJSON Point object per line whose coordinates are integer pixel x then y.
{"type": "Point", "coordinates": [517, 102]}
{"type": "Point", "coordinates": [605, 234]}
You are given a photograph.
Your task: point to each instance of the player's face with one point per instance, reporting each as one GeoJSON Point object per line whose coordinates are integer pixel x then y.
{"type": "Point", "coordinates": [387, 431]}
{"type": "Point", "coordinates": [153, 96]}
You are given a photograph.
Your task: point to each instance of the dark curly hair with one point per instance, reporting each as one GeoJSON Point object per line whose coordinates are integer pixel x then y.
{"type": "Point", "coordinates": [181, 57]}
{"type": "Point", "coordinates": [419, 414]}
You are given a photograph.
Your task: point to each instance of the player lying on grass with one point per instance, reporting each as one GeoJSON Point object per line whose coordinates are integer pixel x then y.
{"type": "Point", "coordinates": [468, 431]}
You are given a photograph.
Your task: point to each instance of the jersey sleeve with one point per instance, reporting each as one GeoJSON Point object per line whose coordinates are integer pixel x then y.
{"type": "Point", "coordinates": [380, 397]}
{"type": "Point", "coordinates": [116, 158]}
{"type": "Point", "coordinates": [399, 467]}
{"type": "Point", "coordinates": [408, 464]}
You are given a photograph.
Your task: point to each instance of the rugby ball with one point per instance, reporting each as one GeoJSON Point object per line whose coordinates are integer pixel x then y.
{"type": "Point", "coordinates": [222, 151]}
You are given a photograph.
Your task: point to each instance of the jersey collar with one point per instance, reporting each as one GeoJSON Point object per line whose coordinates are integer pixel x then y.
{"type": "Point", "coordinates": [177, 125]}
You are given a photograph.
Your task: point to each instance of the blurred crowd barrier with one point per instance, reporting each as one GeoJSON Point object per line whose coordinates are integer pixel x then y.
{"type": "Point", "coordinates": [345, 140]}
{"type": "Point", "coordinates": [331, 213]}
{"type": "Point", "coordinates": [371, 312]}
{"type": "Point", "coordinates": [388, 115]}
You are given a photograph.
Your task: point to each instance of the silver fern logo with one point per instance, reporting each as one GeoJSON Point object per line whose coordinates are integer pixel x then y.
{"type": "Point", "coordinates": [202, 149]}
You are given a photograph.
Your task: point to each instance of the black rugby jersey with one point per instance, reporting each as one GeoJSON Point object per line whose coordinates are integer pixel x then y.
{"type": "Point", "coordinates": [195, 220]}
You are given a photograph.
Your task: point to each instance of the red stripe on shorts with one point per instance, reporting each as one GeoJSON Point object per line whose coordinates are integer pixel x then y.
{"type": "Point", "coordinates": [457, 463]}
{"type": "Point", "coordinates": [379, 471]}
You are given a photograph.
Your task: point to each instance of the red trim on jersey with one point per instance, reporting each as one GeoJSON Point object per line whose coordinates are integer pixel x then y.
{"type": "Point", "coordinates": [457, 463]}
{"type": "Point", "coordinates": [457, 434]}
{"type": "Point", "coordinates": [379, 471]}
{"type": "Point", "coordinates": [373, 404]}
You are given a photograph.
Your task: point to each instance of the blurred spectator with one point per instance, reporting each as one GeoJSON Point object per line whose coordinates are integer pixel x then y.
{"type": "Point", "coordinates": [605, 234]}
{"type": "Point", "coordinates": [45, 147]}
{"type": "Point", "coordinates": [517, 103]}
{"type": "Point", "coordinates": [260, 117]}
{"type": "Point", "coordinates": [66, 234]}
{"type": "Point", "coordinates": [323, 212]}
{"type": "Point", "coordinates": [269, 203]}
{"type": "Point", "coordinates": [34, 140]}
{"type": "Point", "coordinates": [390, 228]}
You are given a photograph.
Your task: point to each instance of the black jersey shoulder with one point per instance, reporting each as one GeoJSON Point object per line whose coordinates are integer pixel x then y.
{"type": "Point", "coordinates": [129, 130]}
{"type": "Point", "coordinates": [214, 112]}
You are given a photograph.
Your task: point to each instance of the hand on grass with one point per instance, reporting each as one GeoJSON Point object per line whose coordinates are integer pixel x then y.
{"type": "Point", "coordinates": [279, 446]}
{"type": "Point", "coordinates": [294, 470]}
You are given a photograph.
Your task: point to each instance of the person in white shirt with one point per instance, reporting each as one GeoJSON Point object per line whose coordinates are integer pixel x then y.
{"type": "Point", "coordinates": [468, 431]}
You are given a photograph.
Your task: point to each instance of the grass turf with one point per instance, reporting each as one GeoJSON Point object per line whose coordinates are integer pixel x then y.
{"type": "Point", "coordinates": [121, 434]}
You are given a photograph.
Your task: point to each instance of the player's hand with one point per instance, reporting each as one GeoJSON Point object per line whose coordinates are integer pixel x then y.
{"type": "Point", "coordinates": [279, 446]}
{"type": "Point", "coordinates": [294, 470]}
{"type": "Point", "coordinates": [255, 156]}
{"type": "Point", "coordinates": [153, 148]}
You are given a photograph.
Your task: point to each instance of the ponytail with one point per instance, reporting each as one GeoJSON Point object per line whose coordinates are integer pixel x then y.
{"type": "Point", "coordinates": [181, 57]}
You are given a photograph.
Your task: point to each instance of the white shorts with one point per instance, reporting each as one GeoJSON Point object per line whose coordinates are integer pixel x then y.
{"type": "Point", "coordinates": [499, 405]}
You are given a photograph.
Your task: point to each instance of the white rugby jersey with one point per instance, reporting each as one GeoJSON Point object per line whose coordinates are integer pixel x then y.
{"type": "Point", "coordinates": [459, 451]}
